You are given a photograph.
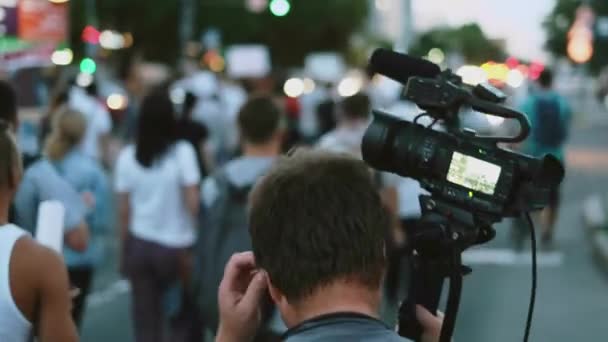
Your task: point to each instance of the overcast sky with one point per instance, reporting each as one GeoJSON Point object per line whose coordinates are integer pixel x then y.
{"type": "Point", "coordinates": [517, 21]}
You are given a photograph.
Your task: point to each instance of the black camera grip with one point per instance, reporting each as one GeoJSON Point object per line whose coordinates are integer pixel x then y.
{"type": "Point", "coordinates": [425, 289]}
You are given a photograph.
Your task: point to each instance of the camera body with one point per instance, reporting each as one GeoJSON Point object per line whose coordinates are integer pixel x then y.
{"type": "Point", "coordinates": [473, 183]}
{"type": "Point", "coordinates": [459, 169]}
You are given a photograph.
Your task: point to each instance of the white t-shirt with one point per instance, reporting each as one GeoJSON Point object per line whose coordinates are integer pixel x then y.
{"type": "Point", "coordinates": [98, 119]}
{"type": "Point", "coordinates": [158, 210]}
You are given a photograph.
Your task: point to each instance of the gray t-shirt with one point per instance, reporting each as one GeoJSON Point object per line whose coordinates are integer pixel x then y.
{"type": "Point", "coordinates": [241, 172]}
{"type": "Point", "coordinates": [342, 327]}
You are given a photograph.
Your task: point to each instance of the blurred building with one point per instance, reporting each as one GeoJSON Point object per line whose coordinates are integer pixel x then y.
{"type": "Point", "coordinates": [392, 20]}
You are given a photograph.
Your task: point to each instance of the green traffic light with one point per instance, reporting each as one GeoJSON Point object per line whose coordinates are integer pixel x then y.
{"type": "Point", "coordinates": [280, 8]}
{"type": "Point", "coordinates": [88, 66]}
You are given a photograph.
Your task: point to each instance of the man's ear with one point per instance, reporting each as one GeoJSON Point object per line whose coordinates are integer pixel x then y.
{"type": "Point", "coordinates": [276, 295]}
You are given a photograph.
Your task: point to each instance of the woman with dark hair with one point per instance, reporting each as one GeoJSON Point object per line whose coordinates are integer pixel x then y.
{"type": "Point", "coordinates": [157, 182]}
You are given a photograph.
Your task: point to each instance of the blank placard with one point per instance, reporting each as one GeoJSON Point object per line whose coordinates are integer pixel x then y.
{"type": "Point", "coordinates": [49, 230]}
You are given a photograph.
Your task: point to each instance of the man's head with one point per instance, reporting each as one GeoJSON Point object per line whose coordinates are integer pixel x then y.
{"type": "Point", "coordinates": [259, 122]}
{"type": "Point", "coordinates": [317, 220]}
{"type": "Point", "coordinates": [8, 104]}
{"type": "Point", "coordinates": [546, 79]}
{"type": "Point", "coordinates": [356, 107]}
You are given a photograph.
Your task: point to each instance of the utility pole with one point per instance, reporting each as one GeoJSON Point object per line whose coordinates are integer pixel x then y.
{"type": "Point", "coordinates": [407, 27]}
{"type": "Point", "coordinates": [91, 15]}
{"type": "Point", "coordinates": [187, 14]}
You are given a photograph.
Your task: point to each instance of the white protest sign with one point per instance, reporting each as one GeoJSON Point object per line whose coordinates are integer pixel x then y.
{"type": "Point", "coordinates": [248, 61]}
{"type": "Point", "coordinates": [49, 230]}
{"type": "Point", "coordinates": [325, 66]}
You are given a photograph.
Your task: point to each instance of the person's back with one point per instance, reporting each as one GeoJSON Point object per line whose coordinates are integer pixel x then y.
{"type": "Point", "coordinates": [13, 324]}
{"type": "Point", "coordinates": [354, 112]}
{"type": "Point", "coordinates": [33, 288]}
{"type": "Point", "coordinates": [159, 212]}
{"type": "Point", "coordinates": [549, 115]}
{"type": "Point", "coordinates": [157, 186]}
{"type": "Point", "coordinates": [33, 279]}
{"type": "Point", "coordinates": [86, 177]}
{"type": "Point", "coordinates": [99, 122]}
{"type": "Point", "coordinates": [224, 227]}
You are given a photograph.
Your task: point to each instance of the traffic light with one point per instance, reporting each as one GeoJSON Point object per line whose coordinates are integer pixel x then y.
{"type": "Point", "coordinates": [280, 8]}
{"type": "Point", "coordinates": [88, 66]}
{"type": "Point", "coordinates": [90, 35]}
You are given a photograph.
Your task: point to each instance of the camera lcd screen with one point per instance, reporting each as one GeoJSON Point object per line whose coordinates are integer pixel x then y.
{"type": "Point", "coordinates": [473, 173]}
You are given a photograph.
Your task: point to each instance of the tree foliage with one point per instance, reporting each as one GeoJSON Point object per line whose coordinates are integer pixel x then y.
{"type": "Point", "coordinates": [310, 25]}
{"type": "Point", "coordinates": [468, 40]}
{"type": "Point", "coordinates": [558, 23]}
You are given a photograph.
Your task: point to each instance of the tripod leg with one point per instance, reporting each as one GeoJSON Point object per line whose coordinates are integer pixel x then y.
{"type": "Point", "coordinates": [425, 289]}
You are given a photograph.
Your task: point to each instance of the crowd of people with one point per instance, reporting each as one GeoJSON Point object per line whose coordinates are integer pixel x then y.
{"type": "Point", "coordinates": [261, 197]}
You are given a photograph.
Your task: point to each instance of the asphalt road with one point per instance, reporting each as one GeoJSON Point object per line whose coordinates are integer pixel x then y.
{"type": "Point", "coordinates": [572, 298]}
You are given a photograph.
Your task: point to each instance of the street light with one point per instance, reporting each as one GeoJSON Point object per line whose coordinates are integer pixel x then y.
{"type": "Point", "coordinates": [88, 66]}
{"type": "Point", "coordinates": [257, 6]}
{"type": "Point", "coordinates": [62, 57]}
{"type": "Point", "coordinates": [280, 8]}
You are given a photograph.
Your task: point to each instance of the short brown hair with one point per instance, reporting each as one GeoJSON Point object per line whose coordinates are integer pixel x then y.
{"type": "Point", "coordinates": [259, 119]}
{"type": "Point", "coordinates": [357, 106]}
{"type": "Point", "coordinates": [315, 218]}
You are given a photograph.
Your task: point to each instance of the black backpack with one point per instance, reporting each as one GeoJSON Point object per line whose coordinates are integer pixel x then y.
{"type": "Point", "coordinates": [550, 129]}
{"type": "Point", "coordinates": [224, 231]}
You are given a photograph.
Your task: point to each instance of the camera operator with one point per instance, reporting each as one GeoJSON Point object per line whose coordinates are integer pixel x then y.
{"type": "Point", "coordinates": [318, 234]}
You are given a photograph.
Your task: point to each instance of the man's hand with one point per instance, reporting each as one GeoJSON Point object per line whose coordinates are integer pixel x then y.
{"type": "Point", "coordinates": [239, 298]}
{"type": "Point", "coordinates": [431, 325]}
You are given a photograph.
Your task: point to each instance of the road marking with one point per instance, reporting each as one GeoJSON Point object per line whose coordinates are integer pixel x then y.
{"type": "Point", "coordinates": [111, 292]}
{"type": "Point", "coordinates": [508, 257]}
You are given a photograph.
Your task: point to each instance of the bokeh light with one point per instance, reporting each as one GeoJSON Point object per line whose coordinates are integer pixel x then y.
{"type": "Point", "coordinates": [294, 87]}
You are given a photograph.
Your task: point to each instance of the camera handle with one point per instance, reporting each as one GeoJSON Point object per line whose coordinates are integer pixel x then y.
{"type": "Point", "coordinates": [437, 244]}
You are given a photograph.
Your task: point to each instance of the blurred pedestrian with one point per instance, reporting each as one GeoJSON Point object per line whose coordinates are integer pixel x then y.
{"type": "Point", "coordinates": [196, 134]}
{"type": "Point", "coordinates": [157, 182]}
{"type": "Point", "coordinates": [36, 290]}
{"type": "Point", "coordinates": [86, 176]}
{"type": "Point", "coordinates": [354, 117]}
{"type": "Point", "coordinates": [58, 100]}
{"type": "Point", "coordinates": [224, 228]}
{"type": "Point", "coordinates": [99, 121]}
{"type": "Point", "coordinates": [41, 182]}
{"type": "Point", "coordinates": [550, 118]}
{"type": "Point", "coordinates": [326, 112]}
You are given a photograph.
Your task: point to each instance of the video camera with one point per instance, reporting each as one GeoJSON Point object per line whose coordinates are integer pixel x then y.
{"type": "Point", "coordinates": [473, 183]}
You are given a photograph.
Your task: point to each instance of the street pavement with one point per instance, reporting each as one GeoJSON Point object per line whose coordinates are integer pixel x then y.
{"type": "Point", "coordinates": [572, 296]}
